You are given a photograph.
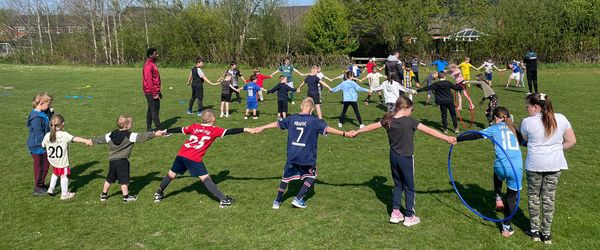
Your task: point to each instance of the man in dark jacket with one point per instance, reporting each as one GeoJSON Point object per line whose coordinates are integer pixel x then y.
{"type": "Point", "coordinates": [530, 61]}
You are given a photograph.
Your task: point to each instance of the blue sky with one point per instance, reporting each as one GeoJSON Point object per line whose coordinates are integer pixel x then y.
{"type": "Point", "coordinates": [301, 2]}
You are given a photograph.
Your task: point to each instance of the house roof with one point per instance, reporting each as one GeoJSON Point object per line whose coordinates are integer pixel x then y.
{"type": "Point", "coordinates": [467, 35]}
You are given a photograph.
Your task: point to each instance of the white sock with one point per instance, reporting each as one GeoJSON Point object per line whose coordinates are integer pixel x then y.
{"type": "Point", "coordinates": [64, 184]}
{"type": "Point", "coordinates": [53, 180]}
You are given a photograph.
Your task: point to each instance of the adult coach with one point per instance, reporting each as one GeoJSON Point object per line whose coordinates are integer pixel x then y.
{"type": "Point", "coordinates": [393, 67]}
{"type": "Point", "coordinates": [151, 87]}
{"type": "Point", "coordinates": [530, 61]}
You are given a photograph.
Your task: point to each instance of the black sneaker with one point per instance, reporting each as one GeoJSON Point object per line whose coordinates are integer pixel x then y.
{"type": "Point", "coordinates": [535, 235]}
{"type": "Point", "coordinates": [158, 197]}
{"type": "Point", "coordinates": [228, 201]}
{"type": "Point", "coordinates": [103, 197]}
{"type": "Point", "coordinates": [129, 198]}
{"type": "Point", "coordinates": [547, 239]}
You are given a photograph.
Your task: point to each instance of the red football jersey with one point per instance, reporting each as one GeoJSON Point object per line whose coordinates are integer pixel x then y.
{"type": "Point", "coordinates": [201, 137]}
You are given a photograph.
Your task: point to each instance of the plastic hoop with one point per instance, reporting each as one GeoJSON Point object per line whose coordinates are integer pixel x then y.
{"type": "Point", "coordinates": [460, 196]}
{"type": "Point", "coordinates": [462, 123]}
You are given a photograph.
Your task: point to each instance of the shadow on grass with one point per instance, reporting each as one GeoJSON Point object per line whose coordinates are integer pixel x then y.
{"type": "Point", "coordinates": [80, 180]}
{"type": "Point", "coordinates": [169, 122]}
{"type": "Point", "coordinates": [483, 201]}
{"type": "Point", "coordinates": [138, 183]}
{"type": "Point", "coordinates": [382, 191]}
{"type": "Point", "coordinates": [218, 178]}
{"type": "Point", "coordinates": [434, 124]}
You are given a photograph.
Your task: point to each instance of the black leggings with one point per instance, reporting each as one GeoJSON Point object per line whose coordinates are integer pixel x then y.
{"type": "Point", "coordinates": [354, 107]}
{"type": "Point", "coordinates": [197, 93]}
{"type": "Point", "coordinates": [444, 109]}
{"type": "Point", "coordinates": [532, 80]}
{"type": "Point", "coordinates": [510, 201]}
{"type": "Point", "coordinates": [152, 112]}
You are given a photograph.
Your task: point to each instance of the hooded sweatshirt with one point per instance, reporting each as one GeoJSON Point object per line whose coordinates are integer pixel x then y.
{"type": "Point", "coordinates": [38, 124]}
{"type": "Point", "coordinates": [121, 142]}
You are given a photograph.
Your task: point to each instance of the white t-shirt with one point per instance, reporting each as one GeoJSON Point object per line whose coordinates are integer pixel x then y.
{"type": "Point", "coordinates": [374, 79]}
{"type": "Point", "coordinates": [58, 151]}
{"type": "Point", "coordinates": [200, 73]}
{"type": "Point", "coordinates": [545, 154]}
{"type": "Point", "coordinates": [320, 75]}
{"type": "Point", "coordinates": [488, 67]}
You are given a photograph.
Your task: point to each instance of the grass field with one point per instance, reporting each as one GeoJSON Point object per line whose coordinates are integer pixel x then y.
{"type": "Point", "coordinates": [349, 207]}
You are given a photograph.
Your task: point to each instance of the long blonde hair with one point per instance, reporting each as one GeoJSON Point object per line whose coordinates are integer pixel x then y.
{"type": "Point", "coordinates": [56, 121]}
{"type": "Point", "coordinates": [43, 97]}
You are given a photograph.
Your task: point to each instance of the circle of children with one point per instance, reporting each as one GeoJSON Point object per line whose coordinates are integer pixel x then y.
{"type": "Point", "coordinates": [545, 133]}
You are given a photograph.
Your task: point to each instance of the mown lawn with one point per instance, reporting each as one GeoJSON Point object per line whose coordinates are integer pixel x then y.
{"type": "Point", "coordinates": [349, 207]}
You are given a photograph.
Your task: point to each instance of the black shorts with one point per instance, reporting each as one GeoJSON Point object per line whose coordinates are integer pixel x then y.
{"type": "Point", "coordinates": [118, 170]}
{"type": "Point", "coordinates": [315, 96]}
{"type": "Point", "coordinates": [282, 106]}
{"type": "Point", "coordinates": [416, 77]}
{"type": "Point", "coordinates": [226, 97]}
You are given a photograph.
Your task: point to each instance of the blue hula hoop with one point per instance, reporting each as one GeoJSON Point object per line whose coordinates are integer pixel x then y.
{"type": "Point", "coordinates": [460, 196]}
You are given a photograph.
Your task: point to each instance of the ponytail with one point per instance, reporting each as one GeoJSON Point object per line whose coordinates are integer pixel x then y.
{"type": "Point", "coordinates": [502, 113]}
{"type": "Point", "coordinates": [56, 121]}
{"type": "Point", "coordinates": [548, 118]}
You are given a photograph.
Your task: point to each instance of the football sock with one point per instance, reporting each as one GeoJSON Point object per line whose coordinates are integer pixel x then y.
{"type": "Point", "coordinates": [163, 184]}
{"type": "Point", "coordinates": [53, 180]}
{"type": "Point", "coordinates": [213, 189]}
{"type": "Point", "coordinates": [64, 184]}
{"type": "Point", "coordinates": [282, 187]}
{"type": "Point", "coordinates": [307, 184]}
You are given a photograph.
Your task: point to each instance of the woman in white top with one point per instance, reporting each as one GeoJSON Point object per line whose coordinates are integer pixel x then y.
{"type": "Point", "coordinates": [547, 135]}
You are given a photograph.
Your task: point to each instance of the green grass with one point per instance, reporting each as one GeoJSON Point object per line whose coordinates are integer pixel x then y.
{"type": "Point", "coordinates": [348, 209]}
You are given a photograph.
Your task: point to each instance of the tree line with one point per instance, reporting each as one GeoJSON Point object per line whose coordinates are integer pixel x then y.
{"type": "Point", "coordinates": [263, 32]}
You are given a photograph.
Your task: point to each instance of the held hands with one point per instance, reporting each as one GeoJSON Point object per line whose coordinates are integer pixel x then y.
{"type": "Point", "coordinates": [254, 130]}
{"type": "Point", "coordinates": [351, 134]}
{"type": "Point", "coordinates": [88, 142]}
{"type": "Point", "coordinates": [160, 133]}
{"type": "Point", "coordinates": [450, 140]}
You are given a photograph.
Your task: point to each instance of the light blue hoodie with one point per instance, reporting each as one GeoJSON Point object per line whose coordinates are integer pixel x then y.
{"type": "Point", "coordinates": [349, 88]}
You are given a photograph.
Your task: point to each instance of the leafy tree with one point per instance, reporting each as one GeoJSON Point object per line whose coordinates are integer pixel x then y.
{"type": "Point", "coordinates": [328, 30]}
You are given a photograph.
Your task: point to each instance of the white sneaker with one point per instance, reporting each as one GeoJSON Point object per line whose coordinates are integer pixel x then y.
{"type": "Point", "coordinates": [293, 103]}
{"type": "Point", "coordinates": [67, 196]}
{"type": "Point", "coordinates": [221, 116]}
{"type": "Point", "coordinates": [276, 204]}
{"type": "Point", "coordinates": [226, 115]}
{"type": "Point", "coordinates": [361, 126]}
{"type": "Point", "coordinates": [255, 117]}
{"type": "Point", "coordinates": [245, 118]}
{"type": "Point", "coordinates": [411, 221]}
{"type": "Point", "coordinates": [395, 219]}
{"type": "Point", "coordinates": [339, 124]}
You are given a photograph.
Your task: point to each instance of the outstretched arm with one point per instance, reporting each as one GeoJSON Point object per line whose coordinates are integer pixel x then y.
{"type": "Point", "coordinates": [267, 126]}
{"type": "Point", "coordinates": [235, 131]}
{"type": "Point", "coordinates": [83, 140]}
{"type": "Point", "coordinates": [334, 131]}
{"type": "Point", "coordinates": [272, 74]}
{"type": "Point", "coordinates": [369, 128]}
{"type": "Point", "coordinates": [325, 84]}
{"type": "Point", "coordinates": [436, 134]}
{"type": "Point", "coordinates": [300, 73]}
